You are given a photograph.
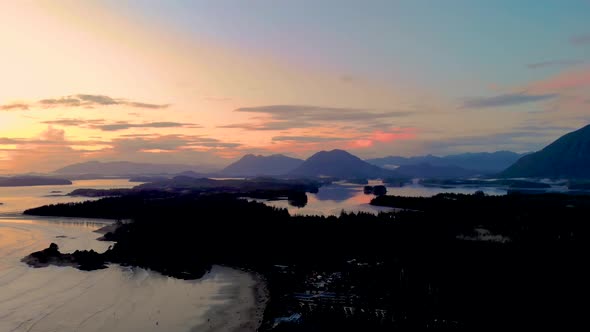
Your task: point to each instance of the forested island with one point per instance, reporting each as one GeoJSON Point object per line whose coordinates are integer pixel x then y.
{"type": "Point", "coordinates": [26, 180]}
{"type": "Point", "coordinates": [450, 261]}
{"type": "Point", "coordinates": [260, 187]}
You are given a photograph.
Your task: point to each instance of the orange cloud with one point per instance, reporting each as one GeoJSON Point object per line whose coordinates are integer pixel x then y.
{"type": "Point", "coordinates": [398, 134]}
{"type": "Point", "coordinates": [361, 143]}
{"type": "Point", "coordinates": [380, 136]}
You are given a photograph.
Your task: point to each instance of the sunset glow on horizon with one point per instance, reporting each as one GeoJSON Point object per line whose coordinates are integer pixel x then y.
{"type": "Point", "coordinates": [202, 82]}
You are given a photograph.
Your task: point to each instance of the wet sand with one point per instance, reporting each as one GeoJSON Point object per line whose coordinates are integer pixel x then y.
{"type": "Point", "coordinates": [247, 298]}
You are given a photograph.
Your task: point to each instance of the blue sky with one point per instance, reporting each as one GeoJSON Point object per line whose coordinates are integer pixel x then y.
{"type": "Point", "coordinates": [431, 42]}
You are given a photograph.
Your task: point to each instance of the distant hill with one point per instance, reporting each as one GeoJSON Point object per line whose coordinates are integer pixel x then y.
{"type": "Point", "coordinates": [488, 162]}
{"type": "Point", "coordinates": [425, 170]}
{"type": "Point", "coordinates": [341, 164]}
{"type": "Point", "coordinates": [24, 181]}
{"type": "Point", "coordinates": [567, 157]}
{"type": "Point", "coordinates": [252, 165]}
{"type": "Point", "coordinates": [122, 168]}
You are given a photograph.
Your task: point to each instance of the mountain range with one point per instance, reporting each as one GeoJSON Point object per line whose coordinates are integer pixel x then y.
{"type": "Point", "coordinates": [483, 162]}
{"type": "Point", "coordinates": [335, 163]}
{"type": "Point", "coordinates": [340, 164]}
{"type": "Point", "coordinates": [125, 168]}
{"type": "Point", "coordinates": [568, 157]}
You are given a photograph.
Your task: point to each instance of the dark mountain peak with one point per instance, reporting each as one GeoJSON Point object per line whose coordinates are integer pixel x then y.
{"type": "Point", "coordinates": [338, 163]}
{"type": "Point", "coordinates": [484, 162]}
{"type": "Point", "coordinates": [566, 157]}
{"type": "Point", "coordinates": [340, 152]}
{"type": "Point", "coordinates": [259, 156]}
{"type": "Point", "coordinates": [249, 157]}
{"type": "Point", "coordinates": [334, 154]}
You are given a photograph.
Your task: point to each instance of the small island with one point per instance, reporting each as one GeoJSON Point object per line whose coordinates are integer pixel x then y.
{"type": "Point", "coordinates": [26, 181]}
{"type": "Point", "coordinates": [268, 188]}
{"type": "Point", "coordinates": [378, 190]}
{"type": "Point", "coordinates": [86, 260]}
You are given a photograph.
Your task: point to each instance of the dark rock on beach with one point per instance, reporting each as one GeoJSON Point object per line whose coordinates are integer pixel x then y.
{"type": "Point", "coordinates": [87, 260]}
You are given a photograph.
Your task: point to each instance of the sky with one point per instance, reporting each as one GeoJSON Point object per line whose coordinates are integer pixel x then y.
{"type": "Point", "coordinates": [204, 82]}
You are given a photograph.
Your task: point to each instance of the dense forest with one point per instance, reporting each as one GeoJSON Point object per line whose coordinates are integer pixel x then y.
{"type": "Point", "coordinates": [450, 261]}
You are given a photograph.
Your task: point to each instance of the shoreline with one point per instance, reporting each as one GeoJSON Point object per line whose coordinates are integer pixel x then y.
{"type": "Point", "coordinates": [245, 304]}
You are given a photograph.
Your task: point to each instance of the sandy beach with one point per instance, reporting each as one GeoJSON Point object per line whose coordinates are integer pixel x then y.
{"type": "Point", "coordinates": [246, 299]}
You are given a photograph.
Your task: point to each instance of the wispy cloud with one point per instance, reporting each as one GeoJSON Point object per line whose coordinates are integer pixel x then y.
{"type": "Point", "coordinates": [504, 100]}
{"type": "Point", "coordinates": [580, 39]}
{"type": "Point", "coordinates": [126, 125]}
{"type": "Point", "coordinates": [281, 117]}
{"type": "Point", "coordinates": [74, 122]}
{"type": "Point", "coordinates": [554, 63]}
{"type": "Point", "coordinates": [81, 100]}
{"type": "Point", "coordinates": [49, 137]}
{"type": "Point", "coordinates": [312, 139]}
{"type": "Point", "coordinates": [144, 105]}
{"type": "Point", "coordinates": [319, 113]}
{"type": "Point", "coordinates": [117, 126]}
{"type": "Point", "coordinates": [14, 107]}
{"type": "Point", "coordinates": [351, 139]}
{"type": "Point", "coordinates": [570, 79]}
{"type": "Point", "coordinates": [270, 125]}
{"type": "Point", "coordinates": [169, 143]}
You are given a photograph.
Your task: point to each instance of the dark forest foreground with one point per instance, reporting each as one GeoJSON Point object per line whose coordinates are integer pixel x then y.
{"type": "Point", "coordinates": [447, 262]}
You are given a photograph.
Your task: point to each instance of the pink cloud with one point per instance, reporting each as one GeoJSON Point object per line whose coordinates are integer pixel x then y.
{"type": "Point", "coordinates": [383, 137]}
{"type": "Point", "coordinates": [571, 79]}
{"type": "Point", "coordinates": [395, 135]}
{"type": "Point", "coordinates": [361, 143]}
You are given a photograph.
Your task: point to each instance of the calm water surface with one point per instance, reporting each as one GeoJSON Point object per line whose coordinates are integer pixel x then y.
{"type": "Point", "coordinates": [342, 196]}
{"type": "Point", "coordinates": [18, 199]}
